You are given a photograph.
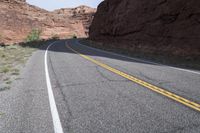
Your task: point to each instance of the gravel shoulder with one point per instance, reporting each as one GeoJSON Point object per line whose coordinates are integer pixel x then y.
{"type": "Point", "coordinates": [24, 107]}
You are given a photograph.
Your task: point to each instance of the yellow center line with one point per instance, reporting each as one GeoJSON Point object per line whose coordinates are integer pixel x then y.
{"type": "Point", "coordinates": [145, 84]}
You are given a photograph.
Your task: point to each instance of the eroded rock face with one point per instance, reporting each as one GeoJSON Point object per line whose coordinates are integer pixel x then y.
{"type": "Point", "coordinates": [18, 18]}
{"type": "Point", "coordinates": [161, 26]}
{"type": "Point", "coordinates": [13, 1]}
{"type": "Point", "coordinates": [83, 14]}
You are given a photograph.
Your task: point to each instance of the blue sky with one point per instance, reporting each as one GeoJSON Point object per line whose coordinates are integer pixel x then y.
{"type": "Point", "coordinates": [56, 4]}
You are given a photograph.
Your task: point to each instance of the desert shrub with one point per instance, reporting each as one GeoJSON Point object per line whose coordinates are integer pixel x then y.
{"type": "Point", "coordinates": [5, 69]}
{"type": "Point", "coordinates": [1, 38]}
{"type": "Point", "coordinates": [74, 36]}
{"type": "Point", "coordinates": [55, 37]}
{"type": "Point", "coordinates": [34, 35]}
{"type": "Point", "coordinates": [1, 41]}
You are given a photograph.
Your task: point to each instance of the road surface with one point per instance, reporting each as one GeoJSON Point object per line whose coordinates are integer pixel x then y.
{"type": "Point", "coordinates": [77, 89]}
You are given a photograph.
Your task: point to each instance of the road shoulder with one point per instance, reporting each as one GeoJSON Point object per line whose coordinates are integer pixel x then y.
{"type": "Point", "coordinates": [25, 107]}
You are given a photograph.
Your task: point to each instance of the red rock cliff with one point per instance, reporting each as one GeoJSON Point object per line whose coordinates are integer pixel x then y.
{"type": "Point", "coordinates": [83, 14]}
{"type": "Point", "coordinates": [161, 26]}
{"type": "Point", "coordinates": [18, 18]}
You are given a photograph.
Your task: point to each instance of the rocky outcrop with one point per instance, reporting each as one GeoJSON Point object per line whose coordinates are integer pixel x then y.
{"type": "Point", "coordinates": [158, 26]}
{"type": "Point", "coordinates": [83, 14]}
{"type": "Point", "coordinates": [18, 18]}
{"type": "Point", "coordinates": [13, 1]}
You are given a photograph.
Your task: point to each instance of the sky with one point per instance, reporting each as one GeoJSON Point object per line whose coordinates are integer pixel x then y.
{"type": "Point", "coordinates": [56, 4]}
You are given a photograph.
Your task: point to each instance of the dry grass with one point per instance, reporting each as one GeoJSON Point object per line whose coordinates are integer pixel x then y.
{"type": "Point", "coordinates": [12, 59]}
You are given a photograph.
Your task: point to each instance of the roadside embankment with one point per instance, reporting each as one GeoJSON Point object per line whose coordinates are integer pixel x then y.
{"type": "Point", "coordinates": [13, 58]}
{"type": "Point", "coordinates": [172, 60]}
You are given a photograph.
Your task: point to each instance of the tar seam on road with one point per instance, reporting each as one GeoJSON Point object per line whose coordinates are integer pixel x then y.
{"type": "Point", "coordinates": [145, 84]}
{"type": "Point", "coordinates": [54, 111]}
{"type": "Point", "coordinates": [136, 59]}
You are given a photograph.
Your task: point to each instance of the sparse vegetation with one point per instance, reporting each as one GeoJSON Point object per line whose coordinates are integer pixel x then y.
{"type": "Point", "coordinates": [0, 38]}
{"type": "Point", "coordinates": [4, 88]}
{"type": "Point", "coordinates": [5, 69]}
{"type": "Point", "coordinates": [1, 113]}
{"type": "Point", "coordinates": [8, 82]}
{"type": "Point", "coordinates": [55, 37]}
{"type": "Point", "coordinates": [34, 35]}
{"type": "Point", "coordinates": [15, 71]}
{"type": "Point", "coordinates": [74, 36]}
{"type": "Point", "coordinates": [12, 58]}
{"type": "Point", "coordinates": [3, 56]}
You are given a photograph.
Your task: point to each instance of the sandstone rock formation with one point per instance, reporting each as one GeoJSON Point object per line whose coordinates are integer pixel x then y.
{"type": "Point", "coordinates": [153, 26]}
{"type": "Point", "coordinates": [18, 18]}
{"type": "Point", "coordinates": [83, 14]}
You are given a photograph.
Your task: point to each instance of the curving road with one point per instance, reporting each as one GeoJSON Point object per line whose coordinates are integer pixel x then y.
{"type": "Point", "coordinates": [85, 90]}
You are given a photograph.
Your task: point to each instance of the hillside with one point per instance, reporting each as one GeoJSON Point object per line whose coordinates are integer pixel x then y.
{"type": "Point", "coordinates": [18, 18]}
{"type": "Point", "coordinates": [160, 27]}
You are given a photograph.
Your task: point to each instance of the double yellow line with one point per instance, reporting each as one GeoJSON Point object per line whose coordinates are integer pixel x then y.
{"type": "Point", "coordinates": [154, 88]}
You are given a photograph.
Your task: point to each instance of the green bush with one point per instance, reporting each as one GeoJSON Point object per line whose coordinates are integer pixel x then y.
{"type": "Point", "coordinates": [34, 35]}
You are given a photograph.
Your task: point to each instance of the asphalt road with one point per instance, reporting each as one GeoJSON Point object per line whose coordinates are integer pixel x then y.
{"type": "Point", "coordinates": [92, 99]}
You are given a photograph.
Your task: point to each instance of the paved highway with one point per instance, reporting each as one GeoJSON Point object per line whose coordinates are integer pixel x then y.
{"type": "Point", "coordinates": [67, 87]}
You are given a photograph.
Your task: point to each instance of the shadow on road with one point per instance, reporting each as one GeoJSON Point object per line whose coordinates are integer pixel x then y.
{"type": "Point", "coordinates": [139, 58]}
{"type": "Point", "coordinates": [60, 46]}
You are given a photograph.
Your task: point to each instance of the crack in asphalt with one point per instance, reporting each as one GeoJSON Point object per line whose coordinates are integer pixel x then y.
{"type": "Point", "coordinates": [101, 74]}
{"type": "Point", "coordinates": [91, 83]}
{"type": "Point", "coordinates": [105, 77]}
{"type": "Point", "coordinates": [190, 126]}
{"type": "Point", "coordinates": [148, 78]}
{"type": "Point", "coordinates": [160, 82]}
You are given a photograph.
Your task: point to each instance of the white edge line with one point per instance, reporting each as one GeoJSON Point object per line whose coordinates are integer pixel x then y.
{"type": "Point", "coordinates": [181, 69]}
{"type": "Point", "coordinates": [54, 112]}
